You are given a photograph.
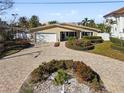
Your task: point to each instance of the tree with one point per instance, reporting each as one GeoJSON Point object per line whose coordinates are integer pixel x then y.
{"type": "Point", "coordinates": [85, 21]}
{"type": "Point", "coordinates": [104, 28]}
{"type": "Point", "coordinates": [5, 4]}
{"type": "Point", "coordinates": [108, 29]}
{"type": "Point", "coordinates": [52, 22]}
{"type": "Point", "coordinates": [91, 23]}
{"type": "Point", "coordinates": [34, 21]}
{"type": "Point", "coordinates": [88, 22]}
{"type": "Point", "coordinates": [23, 22]}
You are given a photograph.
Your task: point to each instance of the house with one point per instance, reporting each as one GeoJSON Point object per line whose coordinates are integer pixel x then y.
{"type": "Point", "coordinates": [115, 19]}
{"type": "Point", "coordinates": [60, 32]}
{"type": "Point", "coordinates": [21, 33]}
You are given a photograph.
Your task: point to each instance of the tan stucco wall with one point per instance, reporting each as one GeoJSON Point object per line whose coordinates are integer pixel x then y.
{"type": "Point", "coordinates": [95, 33]}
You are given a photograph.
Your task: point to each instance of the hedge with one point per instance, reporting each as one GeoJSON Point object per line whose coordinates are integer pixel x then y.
{"type": "Point", "coordinates": [79, 44]}
{"type": "Point", "coordinates": [117, 47]}
{"type": "Point", "coordinates": [96, 40]}
{"type": "Point", "coordinates": [92, 37]}
{"type": "Point", "coordinates": [117, 41]}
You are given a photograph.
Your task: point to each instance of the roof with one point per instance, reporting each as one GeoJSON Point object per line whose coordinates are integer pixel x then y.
{"type": "Point", "coordinates": [65, 26]}
{"type": "Point", "coordinates": [116, 12]}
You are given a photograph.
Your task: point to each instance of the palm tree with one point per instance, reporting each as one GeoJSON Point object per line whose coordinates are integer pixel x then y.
{"type": "Point", "coordinates": [89, 22]}
{"type": "Point", "coordinates": [85, 21]}
{"type": "Point", "coordinates": [61, 78]}
{"type": "Point", "coordinates": [92, 23]}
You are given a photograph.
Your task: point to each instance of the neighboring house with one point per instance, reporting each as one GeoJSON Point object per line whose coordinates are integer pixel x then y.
{"type": "Point", "coordinates": [20, 33]}
{"type": "Point", "coordinates": [60, 32]}
{"type": "Point", "coordinates": [115, 19]}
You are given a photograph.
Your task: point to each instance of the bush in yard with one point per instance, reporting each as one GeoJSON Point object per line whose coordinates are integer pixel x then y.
{"type": "Point", "coordinates": [71, 38]}
{"type": "Point", "coordinates": [23, 43]}
{"type": "Point", "coordinates": [94, 39]}
{"type": "Point", "coordinates": [79, 44]}
{"type": "Point", "coordinates": [44, 70]}
{"type": "Point", "coordinates": [117, 41]}
{"type": "Point", "coordinates": [117, 47]}
{"type": "Point", "coordinates": [97, 40]}
{"type": "Point", "coordinates": [61, 77]}
{"type": "Point", "coordinates": [86, 74]}
{"type": "Point", "coordinates": [57, 44]}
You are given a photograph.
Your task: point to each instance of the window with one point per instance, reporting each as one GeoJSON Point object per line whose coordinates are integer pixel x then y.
{"type": "Point", "coordinates": [67, 34]}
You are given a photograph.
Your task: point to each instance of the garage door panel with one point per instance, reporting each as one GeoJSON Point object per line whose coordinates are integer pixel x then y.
{"type": "Point", "coordinates": [43, 37]}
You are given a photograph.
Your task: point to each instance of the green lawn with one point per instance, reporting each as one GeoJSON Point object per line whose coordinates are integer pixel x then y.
{"type": "Point", "coordinates": [106, 50]}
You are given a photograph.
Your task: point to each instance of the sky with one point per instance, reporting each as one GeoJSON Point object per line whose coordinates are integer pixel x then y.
{"type": "Point", "coordinates": [62, 13]}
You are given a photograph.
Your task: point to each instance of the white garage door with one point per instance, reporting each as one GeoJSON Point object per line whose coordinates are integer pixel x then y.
{"type": "Point", "coordinates": [45, 37]}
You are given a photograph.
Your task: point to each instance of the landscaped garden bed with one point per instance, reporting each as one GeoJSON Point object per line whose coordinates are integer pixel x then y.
{"type": "Point", "coordinates": [79, 44]}
{"type": "Point", "coordinates": [67, 75]}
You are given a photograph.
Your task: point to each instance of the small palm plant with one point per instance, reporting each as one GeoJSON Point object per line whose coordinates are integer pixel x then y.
{"type": "Point", "coordinates": [61, 78]}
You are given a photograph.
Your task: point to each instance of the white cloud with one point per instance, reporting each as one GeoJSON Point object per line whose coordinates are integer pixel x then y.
{"type": "Point", "coordinates": [15, 10]}
{"type": "Point", "coordinates": [55, 14]}
{"type": "Point", "coordinates": [72, 13]}
{"type": "Point", "coordinates": [100, 16]}
{"type": "Point", "coordinates": [64, 15]}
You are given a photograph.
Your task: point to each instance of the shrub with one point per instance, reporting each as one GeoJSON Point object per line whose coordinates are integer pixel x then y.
{"type": "Point", "coordinates": [97, 41]}
{"type": "Point", "coordinates": [85, 74]}
{"type": "Point", "coordinates": [79, 44]}
{"type": "Point", "coordinates": [94, 39]}
{"type": "Point", "coordinates": [117, 47]}
{"type": "Point", "coordinates": [61, 77]}
{"type": "Point", "coordinates": [117, 41]}
{"type": "Point", "coordinates": [71, 38]}
{"type": "Point", "coordinates": [44, 70]}
{"type": "Point", "coordinates": [57, 44]}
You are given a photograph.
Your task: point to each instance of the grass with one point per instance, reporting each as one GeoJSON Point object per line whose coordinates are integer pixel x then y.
{"type": "Point", "coordinates": [106, 50]}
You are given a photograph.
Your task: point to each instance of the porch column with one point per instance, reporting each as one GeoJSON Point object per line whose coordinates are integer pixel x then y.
{"type": "Point", "coordinates": [80, 35]}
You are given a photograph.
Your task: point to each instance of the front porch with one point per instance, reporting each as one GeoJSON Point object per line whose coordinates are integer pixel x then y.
{"type": "Point", "coordinates": [77, 34]}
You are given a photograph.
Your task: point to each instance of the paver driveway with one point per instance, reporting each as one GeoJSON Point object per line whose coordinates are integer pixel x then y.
{"type": "Point", "coordinates": [15, 68]}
